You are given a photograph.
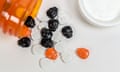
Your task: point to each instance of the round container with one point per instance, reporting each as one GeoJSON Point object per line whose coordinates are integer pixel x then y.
{"type": "Point", "coordinates": [100, 12]}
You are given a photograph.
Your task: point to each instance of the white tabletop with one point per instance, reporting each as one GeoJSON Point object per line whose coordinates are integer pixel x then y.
{"type": "Point", "coordinates": [103, 44]}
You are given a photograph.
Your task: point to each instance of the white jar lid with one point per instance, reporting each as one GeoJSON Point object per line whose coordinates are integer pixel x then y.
{"type": "Point", "coordinates": [100, 12]}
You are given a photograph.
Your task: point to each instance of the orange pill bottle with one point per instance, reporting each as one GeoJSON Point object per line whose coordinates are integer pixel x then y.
{"type": "Point", "coordinates": [13, 14]}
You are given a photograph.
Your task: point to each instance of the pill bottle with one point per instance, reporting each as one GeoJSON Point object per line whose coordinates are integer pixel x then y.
{"type": "Point", "coordinates": [13, 14]}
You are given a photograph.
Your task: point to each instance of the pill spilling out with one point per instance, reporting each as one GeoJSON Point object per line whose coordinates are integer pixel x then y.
{"type": "Point", "coordinates": [24, 42]}
{"type": "Point", "coordinates": [47, 43]}
{"type": "Point", "coordinates": [46, 33]}
{"type": "Point", "coordinates": [67, 31]}
{"type": "Point", "coordinates": [46, 38]}
{"type": "Point", "coordinates": [51, 54]}
{"type": "Point", "coordinates": [82, 53]}
{"type": "Point", "coordinates": [52, 12]}
{"type": "Point", "coordinates": [30, 22]}
{"type": "Point", "coordinates": [53, 24]}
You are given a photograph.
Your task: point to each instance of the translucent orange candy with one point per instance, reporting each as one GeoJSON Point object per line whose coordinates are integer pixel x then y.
{"type": "Point", "coordinates": [83, 53]}
{"type": "Point", "coordinates": [13, 14]}
{"type": "Point", "coordinates": [51, 54]}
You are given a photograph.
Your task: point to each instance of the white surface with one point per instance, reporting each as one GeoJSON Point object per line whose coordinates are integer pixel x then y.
{"type": "Point", "coordinates": [103, 44]}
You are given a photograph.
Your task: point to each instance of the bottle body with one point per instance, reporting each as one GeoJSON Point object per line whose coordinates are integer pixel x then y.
{"type": "Point", "coordinates": [13, 14]}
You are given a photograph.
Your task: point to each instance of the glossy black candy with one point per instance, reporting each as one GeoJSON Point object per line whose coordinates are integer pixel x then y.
{"type": "Point", "coordinates": [46, 33]}
{"type": "Point", "coordinates": [24, 42]}
{"type": "Point", "coordinates": [52, 12]}
{"type": "Point", "coordinates": [47, 43]}
{"type": "Point", "coordinates": [53, 24]}
{"type": "Point", "coordinates": [30, 22]}
{"type": "Point", "coordinates": [67, 31]}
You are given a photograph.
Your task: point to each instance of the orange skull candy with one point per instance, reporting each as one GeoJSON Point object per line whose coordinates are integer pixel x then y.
{"type": "Point", "coordinates": [51, 53]}
{"type": "Point", "coordinates": [83, 53]}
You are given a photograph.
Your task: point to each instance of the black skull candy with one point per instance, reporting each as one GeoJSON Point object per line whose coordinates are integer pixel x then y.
{"type": "Point", "coordinates": [46, 33]}
{"type": "Point", "coordinates": [47, 43]}
{"type": "Point", "coordinates": [53, 24]}
{"type": "Point", "coordinates": [30, 22]}
{"type": "Point", "coordinates": [67, 32]}
{"type": "Point", "coordinates": [52, 12]}
{"type": "Point", "coordinates": [24, 42]}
